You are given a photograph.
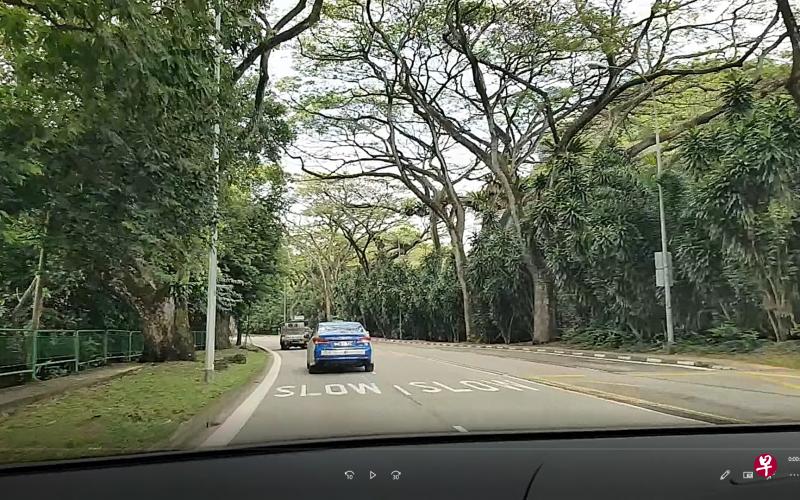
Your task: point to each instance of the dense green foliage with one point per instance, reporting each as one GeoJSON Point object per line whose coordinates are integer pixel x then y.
{"type": "Point", "coordinates": [732, 202]}
{"type": "Point", "coordinates": [106, 176]}
{"type": "Point", "coordinates": [402, 300]}
{"type": "Point", "coordinates": [106, 134]}
{"type": "Point", "coordinates": [552, 109]}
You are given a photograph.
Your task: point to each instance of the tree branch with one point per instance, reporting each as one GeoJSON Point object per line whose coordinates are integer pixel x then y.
{"type": "Point", "coordinates": [277, 37]}
{"type": "Point", "coordinates": [46, 15]}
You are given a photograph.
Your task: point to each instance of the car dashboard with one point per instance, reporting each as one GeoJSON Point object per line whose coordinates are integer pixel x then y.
{"type": "Point", "coordinates": [710, 463]}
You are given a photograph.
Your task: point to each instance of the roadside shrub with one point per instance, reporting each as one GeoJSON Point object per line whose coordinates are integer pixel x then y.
{"type": "Point", "coordinates": [726, 337]}
{"type": "Point", "coordinates": [239, 358]}
{"type": "Point", "coordinates": [601, 337]}
{"type": "Point", "coordinates": [52, 371]}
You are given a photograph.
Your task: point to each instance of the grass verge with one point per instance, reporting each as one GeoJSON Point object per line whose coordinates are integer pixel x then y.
{"type": "Point", "coordinates": [772, 355]}
{"type": "Point", "coordinates": [131, 414]}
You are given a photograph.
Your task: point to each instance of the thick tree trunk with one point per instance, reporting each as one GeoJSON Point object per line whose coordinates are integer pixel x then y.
{"type": "Point", "coordinates": [182, 327]}
{"type": "Point", "coordinates": [461, 274]}
{"type": "Point", "coordinates": [789, 20]}
{"type": "Point", "coordinates": [328, 305]}
{"type": "Point", "coordinates": [434, 222]}
{"type": "Point", "coordinates": [223, 331]}
{"type": "Point", "coordinates": [162, 340]}
{"type": "Point", "coordinates": [544, 306]}
{"type": "Point", "coordinates": [544, 299]}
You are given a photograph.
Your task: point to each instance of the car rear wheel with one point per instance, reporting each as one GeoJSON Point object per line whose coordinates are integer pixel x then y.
{"type": "Point", "coordinates": [283, 346]}
{"type": "Point", "coordinates": [312, 368]}
{"type": "Point", "coordinates": [369, 367]}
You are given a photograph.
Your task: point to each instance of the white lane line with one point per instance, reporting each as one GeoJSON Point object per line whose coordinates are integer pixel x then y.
{"type": "Point", "coordinates": [485, 372]}
{"type": "Point", "coordinates": [459, 428]}
{"type": "Point", "coordinates": [225, 433]}
{"type": "Point", "coordinates": [402, 391]}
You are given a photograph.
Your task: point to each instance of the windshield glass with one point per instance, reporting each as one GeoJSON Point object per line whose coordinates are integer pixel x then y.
{"type": "Point", "coordinates": [339, 327]}
{"type": "Point", "coordinates": [527, 216]}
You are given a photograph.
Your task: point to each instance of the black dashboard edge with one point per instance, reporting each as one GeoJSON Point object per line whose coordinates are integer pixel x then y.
{"type": "Point", "coordinates": [170, 456]}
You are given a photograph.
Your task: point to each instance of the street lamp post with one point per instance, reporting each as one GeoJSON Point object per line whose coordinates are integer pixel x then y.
{"type": "Point", "coordinates": [211, 299]}
{"type": "Point", "coordinates": [661, 213]}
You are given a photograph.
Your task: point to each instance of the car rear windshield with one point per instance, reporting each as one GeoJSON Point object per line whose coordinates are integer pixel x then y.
{"type": "Point", "coordinates": [343, 327]}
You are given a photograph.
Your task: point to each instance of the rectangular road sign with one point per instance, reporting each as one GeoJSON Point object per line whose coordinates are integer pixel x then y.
{"type": "Point", "coordinates": [660, 268]}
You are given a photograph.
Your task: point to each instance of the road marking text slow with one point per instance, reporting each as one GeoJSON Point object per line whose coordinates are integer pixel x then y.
{"type": "Point", "coordinates": [407, 389]}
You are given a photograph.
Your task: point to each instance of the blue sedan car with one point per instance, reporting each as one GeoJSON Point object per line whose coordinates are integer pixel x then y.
{"type": "Point", "coordinates": [339, 343]}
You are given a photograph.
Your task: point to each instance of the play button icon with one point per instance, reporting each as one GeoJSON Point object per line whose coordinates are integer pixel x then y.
{"type": "Point", "coordinates": [372, 475]}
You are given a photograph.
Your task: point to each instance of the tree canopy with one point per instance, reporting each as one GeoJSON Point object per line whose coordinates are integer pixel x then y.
{"type": "Point", "coordinates": [460, 170]}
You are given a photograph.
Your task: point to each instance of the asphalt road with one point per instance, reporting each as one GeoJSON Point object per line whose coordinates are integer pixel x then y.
{"type": "Point", "coordinates": [428, 389]}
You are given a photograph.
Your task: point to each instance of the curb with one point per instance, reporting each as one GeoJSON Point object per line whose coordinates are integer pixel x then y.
{"type": "Point", "coordinates": [236, 416]}
{"type": "Point", "coordinates": [569, 352]}
{"type": "Point", "coordinates": [80, 384]}
{"type": "Point", "coordinates": [199, 427]}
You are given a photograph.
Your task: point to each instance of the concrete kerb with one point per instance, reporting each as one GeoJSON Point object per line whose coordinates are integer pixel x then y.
{"type": "Point", "coordinates": [197, 429]}
{"type": "Point", "coordinates": [567, 352]}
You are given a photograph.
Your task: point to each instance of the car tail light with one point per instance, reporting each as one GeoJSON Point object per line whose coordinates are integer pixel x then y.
{"type": "Point", "coordinates": [364, 340]}
{"type": "Point", "coordinates": [320, 340]}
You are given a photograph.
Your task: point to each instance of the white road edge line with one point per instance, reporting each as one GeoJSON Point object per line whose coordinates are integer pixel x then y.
{"type": "Point", "coordinates": [459, 428]}
{"type": "Point", "coordinates": [228, 430]}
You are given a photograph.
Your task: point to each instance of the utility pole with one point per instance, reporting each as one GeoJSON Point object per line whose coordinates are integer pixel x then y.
{"type": "Point", "coordinates": [211, 300]}
{"type": "Point", "coordinates": [663, 220]}
{"type": "Point", "coordinates": [667, 262]}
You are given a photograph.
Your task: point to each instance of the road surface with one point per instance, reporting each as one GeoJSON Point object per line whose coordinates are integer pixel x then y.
{"type": "Point", "coordinates": [418, 389]}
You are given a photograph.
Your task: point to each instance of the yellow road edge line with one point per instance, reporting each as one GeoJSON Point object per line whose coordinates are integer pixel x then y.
{"type": "Point", "coordinates": [768, 378]}
{"type": "Point", "coordinates": [767, 374]}
{"type": "Point", "coordinates": [612, 383]}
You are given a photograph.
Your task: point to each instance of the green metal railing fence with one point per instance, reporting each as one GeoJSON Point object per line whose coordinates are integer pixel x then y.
{"type": "Point", "coordinates": [199, 339]}
{"type": "Point", "coordinates": [25, 351]}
